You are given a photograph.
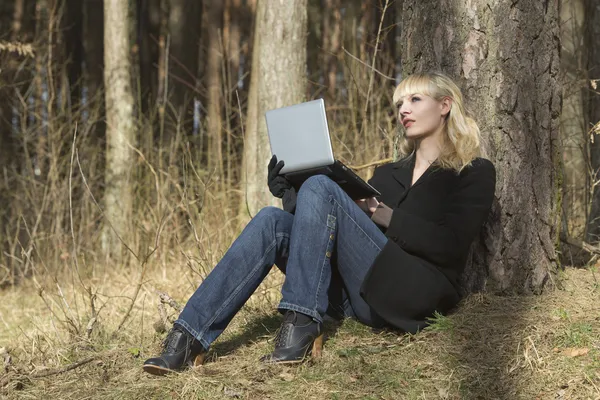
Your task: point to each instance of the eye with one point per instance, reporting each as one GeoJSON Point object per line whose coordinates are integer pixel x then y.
{"type": "Point", "coordinates": [415, 98]}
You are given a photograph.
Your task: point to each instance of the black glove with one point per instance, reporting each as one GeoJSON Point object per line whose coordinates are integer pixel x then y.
{"type": "Point", "coordinates": [278, 185]}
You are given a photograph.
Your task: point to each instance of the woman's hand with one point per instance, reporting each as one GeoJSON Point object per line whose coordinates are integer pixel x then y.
{"type": "Point", "coordinates": [368, 205]}
{"type": "Point", "coordinates": [278, 184]}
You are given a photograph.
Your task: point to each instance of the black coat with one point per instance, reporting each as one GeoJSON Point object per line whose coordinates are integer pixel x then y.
{"type": "Point", "coordinates": [433, 225]}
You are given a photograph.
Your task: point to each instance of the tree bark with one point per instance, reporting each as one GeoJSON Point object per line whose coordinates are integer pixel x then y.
{"type": "Point", "coordinates": [118, 196]}
{"type": "Point", "coordinates": [73, 35]}
{"type": "Point", "coordinates": [231, 41]}
{"type": "Point", "coordinates": [332, 43]}
{"type": "Point", "coordinates": [183, 59]}
{"type": "Point", "coordinates": [278, 80]}
{"type": "Point", "coordinates": [505, 55]}
{"type": "Point", "coordinates": [93, 72]}
{"type": "Point", "coordinates": [147, 39]}
{"type": "Point", "coordinates": [214, 82]}
{"type": "Point", "coordinates": [574, 135]}
{"type": "Point", "coordinates": [592, 97]}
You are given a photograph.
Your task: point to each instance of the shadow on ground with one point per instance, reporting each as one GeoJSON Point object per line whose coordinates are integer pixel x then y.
{"type": "Point", "coordinates": [492, 353]}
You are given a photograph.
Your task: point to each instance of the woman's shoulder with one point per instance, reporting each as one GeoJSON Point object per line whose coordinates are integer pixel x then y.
{"type": "Point", "coordinates": [479, 166]}
{"type": "Point", "coordinates": [480, 173]}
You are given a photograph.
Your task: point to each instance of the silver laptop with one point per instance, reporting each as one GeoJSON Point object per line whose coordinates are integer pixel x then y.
{"type": "Point", "coordinates": [299, 136]}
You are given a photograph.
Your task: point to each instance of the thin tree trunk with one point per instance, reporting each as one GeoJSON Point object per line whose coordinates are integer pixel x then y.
{"type": "Point", "coordinates": [573, 133]}
{"type": "Point", "coordinates": [147, 39]}
{"type": "Point", "coordinates": [73, 35]}
{"type": "Point", "coordinates": [183, 60]}
{"type": "Point", "coordinates": [332, 41]}
{"type": "Point", "coordinates": [592, 97]}
{"type": "Point", "coordinates": [93, 44]}
{"type": "Point", "coordinates": [231, 39]}
{"type": "Point", "coordinates": [17, 22]}
{"type": "Point", "coordinates": [506, 55]}
{"type": "Point", "coordinates": [163, 71]}
{"type": "Point", "coordinates": [118, 196]}
{"type": "Point", "coordinates": [214, 113]}
{"type": "Point", "coordinates": [41, 9]}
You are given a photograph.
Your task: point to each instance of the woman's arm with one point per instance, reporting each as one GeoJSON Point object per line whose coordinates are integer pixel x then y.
{"type": "Point", "coordinates": [466, 212]}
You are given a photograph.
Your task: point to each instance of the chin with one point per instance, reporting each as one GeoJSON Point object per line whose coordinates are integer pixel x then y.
{"type": "Point", "coordinates": [415, 135]}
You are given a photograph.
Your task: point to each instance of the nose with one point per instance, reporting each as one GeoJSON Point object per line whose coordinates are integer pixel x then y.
{"type": "Point", "coordinates": [403, 110]}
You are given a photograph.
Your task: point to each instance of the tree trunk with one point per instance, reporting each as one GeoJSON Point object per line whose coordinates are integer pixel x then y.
{"type": "Point", "coordinates": [278, 80]}
{"type": "Point", "coordinates": [332, 43]}
{"type": "Point", "coordinates": [505, 55]}
{"type": "Point", "coordinates": [592, 97]}
{"type": "Point", "coordinates": [573, 133]}
{"type": "Point", "coordinates": [147, 39]}
{"type": "Point", "coordinates": [233, 18]}
{"type": "Point", "coordinates": [183, 62]}
{"type": "Point", "coordinates": [73, 36]}
{"type": "Point", "coordinates": [118, 196]}
{"type": "Point", "coordinates": [214, 113]}
{"type": "Point", "coordinates": [39, 168]}
{"type": "Point", "coordinates": [163, 67]}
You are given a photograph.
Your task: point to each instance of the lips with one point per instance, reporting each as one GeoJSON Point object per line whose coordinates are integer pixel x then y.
{"type": "Point", "coordinates": [407, 123]}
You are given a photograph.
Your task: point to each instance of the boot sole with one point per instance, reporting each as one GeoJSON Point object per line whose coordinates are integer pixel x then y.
{"type": "Point", "coordinates": [156, 370]}
{"type": "Point", "coordinates": [160, 371]}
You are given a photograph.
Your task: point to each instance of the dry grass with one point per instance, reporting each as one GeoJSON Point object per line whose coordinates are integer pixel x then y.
{"type": "Point", "coordinates": [492, 348]}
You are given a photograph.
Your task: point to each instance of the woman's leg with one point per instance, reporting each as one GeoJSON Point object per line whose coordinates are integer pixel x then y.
{"type": "Point", "coordinates": [328, 220]}
{"type": "Point", "coordinates": [262, 243]}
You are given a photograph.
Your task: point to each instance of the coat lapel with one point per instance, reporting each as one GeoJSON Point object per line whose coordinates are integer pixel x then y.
{"type": "Point", "coordinates": [403, 170]}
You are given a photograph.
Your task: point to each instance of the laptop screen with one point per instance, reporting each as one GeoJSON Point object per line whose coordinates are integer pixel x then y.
{"type": "Point", "coordinates": [299, 136]}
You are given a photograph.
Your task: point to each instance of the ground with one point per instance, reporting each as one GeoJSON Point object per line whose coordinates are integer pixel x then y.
{"type": "Point", "coordinates": [534, 347]}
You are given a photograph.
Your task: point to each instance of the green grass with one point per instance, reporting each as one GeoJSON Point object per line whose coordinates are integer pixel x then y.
{"type": "Point", "coordinates": [578, 334]}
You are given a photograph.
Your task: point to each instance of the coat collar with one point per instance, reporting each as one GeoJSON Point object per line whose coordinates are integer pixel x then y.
{"type": "Point", "coordinates": [403, 171]}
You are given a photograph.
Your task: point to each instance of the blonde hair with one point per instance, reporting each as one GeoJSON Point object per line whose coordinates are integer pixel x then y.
{"type": "Point", "coordinates": [462, 138]}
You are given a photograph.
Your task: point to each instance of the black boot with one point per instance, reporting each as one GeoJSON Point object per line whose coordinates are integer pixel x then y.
{"type": "Point", "coordinates": [298, 336]}
{"type": "Point", "coordinates": [180, 349]}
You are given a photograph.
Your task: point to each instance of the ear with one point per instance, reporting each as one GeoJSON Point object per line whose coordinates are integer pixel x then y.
{"type": "Point", "coordinates": [446, 106]}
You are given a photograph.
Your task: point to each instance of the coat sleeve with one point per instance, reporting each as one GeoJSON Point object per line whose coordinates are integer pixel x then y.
{"type": "Point", "coordinates": [466, 211]}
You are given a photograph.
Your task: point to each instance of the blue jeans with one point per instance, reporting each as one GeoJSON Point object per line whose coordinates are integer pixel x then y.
{"type": "Point", "coordinates": [327, 224]}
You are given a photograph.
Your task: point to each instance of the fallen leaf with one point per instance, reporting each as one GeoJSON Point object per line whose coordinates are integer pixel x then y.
{"type": "Point", "coordinates": [576, 352]}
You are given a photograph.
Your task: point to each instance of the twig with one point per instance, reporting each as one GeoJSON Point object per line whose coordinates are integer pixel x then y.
{"type": "Point", "coordinates": [43, 374]}
{"type": "Point", "coordinates": [580, 244]}
{"type": "Point", "coordinates": [375, 55]}
{"type": "Point", "coordinates": [101, 210]}
{"type": "Point", "coordinates": [166, 299]}
{"type": "Point", "coordinates": [142, 273]}
{"type": "Point", "coordinates": [390, 78]}
{"type": "Point", "coordinates": [372, 163]}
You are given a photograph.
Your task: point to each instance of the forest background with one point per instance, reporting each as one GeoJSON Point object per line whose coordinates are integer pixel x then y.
{"type": "Point", "coordinates": [133, 150]}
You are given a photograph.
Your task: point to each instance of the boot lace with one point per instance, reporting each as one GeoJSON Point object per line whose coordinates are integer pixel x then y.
{"type": "Point", "coordinates": [169, 342]}
{"type": "Point", "coordinates": [283, 333]}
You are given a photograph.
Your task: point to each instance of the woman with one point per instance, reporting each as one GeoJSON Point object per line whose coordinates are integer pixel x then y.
{"type": "Point", "coordinates": [396, 258]}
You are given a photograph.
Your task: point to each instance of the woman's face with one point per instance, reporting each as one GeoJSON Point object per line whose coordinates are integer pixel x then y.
{"type": "Point", "coordinates": [422, 115]}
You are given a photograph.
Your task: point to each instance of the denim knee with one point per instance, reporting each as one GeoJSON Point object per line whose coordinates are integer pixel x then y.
{"type": "Point", "coordinates": [269, 213]}
{"type": "Point", "coordinates": [269, 216]}
{"type": "Point", "coordinates": [318, 183]}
